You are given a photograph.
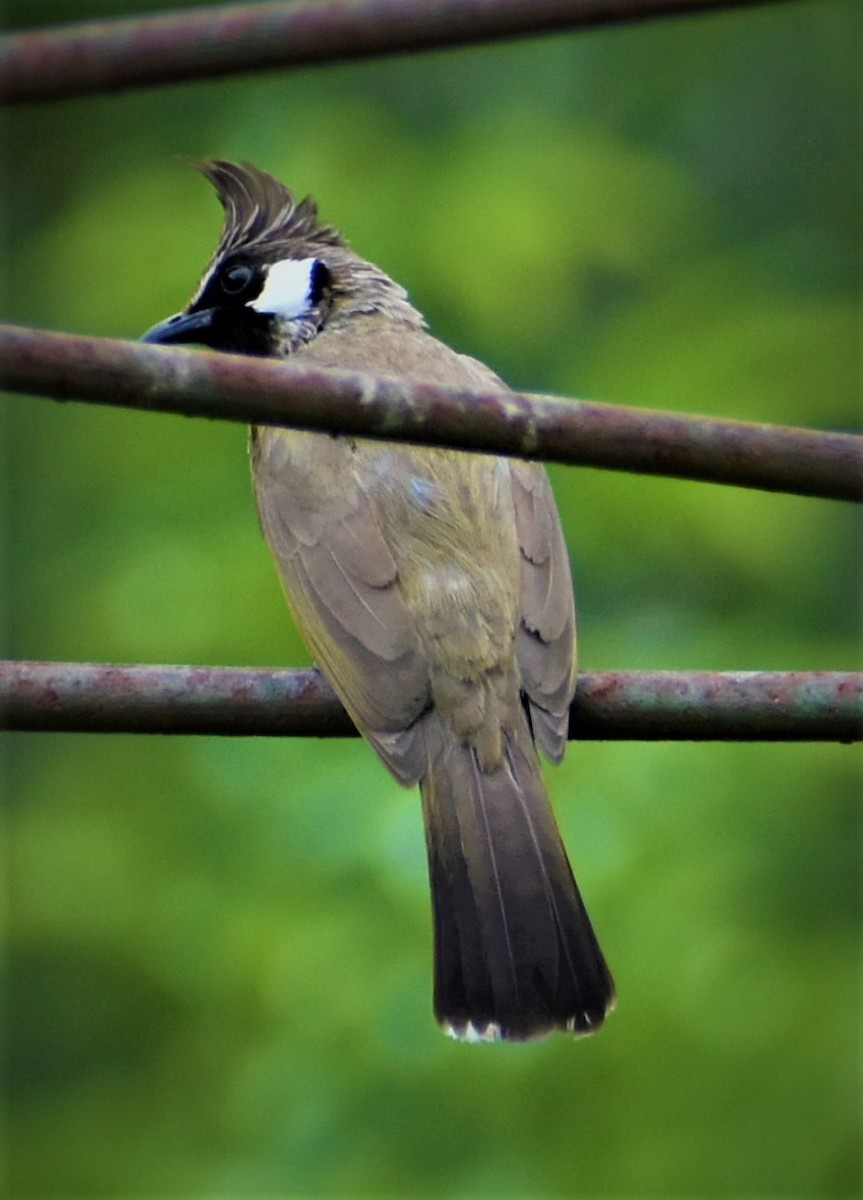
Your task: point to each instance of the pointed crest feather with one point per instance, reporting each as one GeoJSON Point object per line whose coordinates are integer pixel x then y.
{"type": "Point", "coordinates": [263, 218]}
{"type": "Point", "coordinates": [260, 211]}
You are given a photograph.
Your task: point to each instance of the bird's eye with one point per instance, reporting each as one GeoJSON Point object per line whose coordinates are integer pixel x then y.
{"type": "Point", "coordinates": [236, 279]}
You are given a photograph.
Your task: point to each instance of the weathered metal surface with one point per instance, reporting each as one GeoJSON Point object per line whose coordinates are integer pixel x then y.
{"type": "Point", "coordinates": [199, 43]}
{"type": "Point", "coordinates": [230, 387]}
{"type": "Point", "coordinates": [609, 705]}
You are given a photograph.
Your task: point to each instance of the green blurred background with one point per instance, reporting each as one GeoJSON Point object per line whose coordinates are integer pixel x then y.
{"type": "Point", "coordinates": [219, 950]}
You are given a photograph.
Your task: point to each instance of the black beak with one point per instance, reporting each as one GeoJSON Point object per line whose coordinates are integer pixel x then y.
{"type": "Point", "coordinates": [183, 327]}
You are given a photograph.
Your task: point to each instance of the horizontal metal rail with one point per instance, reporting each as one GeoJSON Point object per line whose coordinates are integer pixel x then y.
{"type": "Point", "coordinates": [84, 58]}
{"type": "Point", "coordinates": [230, 387]}
{"type": "Point", "coordinates": [609, 705]}
{"type": "Point", "coordinates": [200, 43]}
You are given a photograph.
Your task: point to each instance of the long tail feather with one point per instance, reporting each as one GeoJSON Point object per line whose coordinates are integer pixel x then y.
{"type": "Point", "coordinates": [515, 954]}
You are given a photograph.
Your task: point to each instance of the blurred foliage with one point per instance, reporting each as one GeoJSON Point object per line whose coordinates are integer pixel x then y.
{"type": "Point", "coordinates": [218, 950]}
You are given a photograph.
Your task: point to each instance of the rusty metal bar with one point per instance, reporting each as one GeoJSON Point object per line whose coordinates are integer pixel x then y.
{"type": "Point", "coordinates": [229, 387]}
{"type": "Point", "coordinates": [609, 705]}
{"type": "Point", "coordinates": [200, 43]}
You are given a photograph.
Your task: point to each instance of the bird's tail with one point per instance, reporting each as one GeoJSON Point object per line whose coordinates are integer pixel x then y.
{"type": "Point", "coordinates": [515, 954]}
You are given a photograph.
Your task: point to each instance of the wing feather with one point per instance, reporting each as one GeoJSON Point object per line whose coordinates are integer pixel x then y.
{"type": "Point", "coordinates": [545, 640]}
{"type": "Point", "coordinates": [341, 581]}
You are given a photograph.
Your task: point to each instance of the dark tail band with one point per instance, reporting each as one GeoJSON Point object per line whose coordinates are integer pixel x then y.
{"type": "Point", "coordinates": [515, 954]}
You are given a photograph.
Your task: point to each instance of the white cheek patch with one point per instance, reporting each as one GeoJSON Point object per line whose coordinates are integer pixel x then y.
{"type": "Point", "coordinates": [287, 289]}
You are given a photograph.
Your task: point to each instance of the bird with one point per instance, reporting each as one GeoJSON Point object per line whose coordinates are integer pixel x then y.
{"type": "Point", "coordinates": [433, 589]}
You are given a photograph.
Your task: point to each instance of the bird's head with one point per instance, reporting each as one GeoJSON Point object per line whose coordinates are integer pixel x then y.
{"type": "Point", "coordinates": [279, 276]}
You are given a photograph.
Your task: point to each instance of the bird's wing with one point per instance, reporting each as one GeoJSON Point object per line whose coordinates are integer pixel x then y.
{"type": "Point", "coordinates": [341, 581]}
{"type": "Point", "coordinates": [341, 577]}
{"type": "Point", "coordinates": [545, 640]}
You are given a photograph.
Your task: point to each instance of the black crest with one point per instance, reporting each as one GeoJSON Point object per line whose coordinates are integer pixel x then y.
{"type": "Point", "coordinates": [261, 212]}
